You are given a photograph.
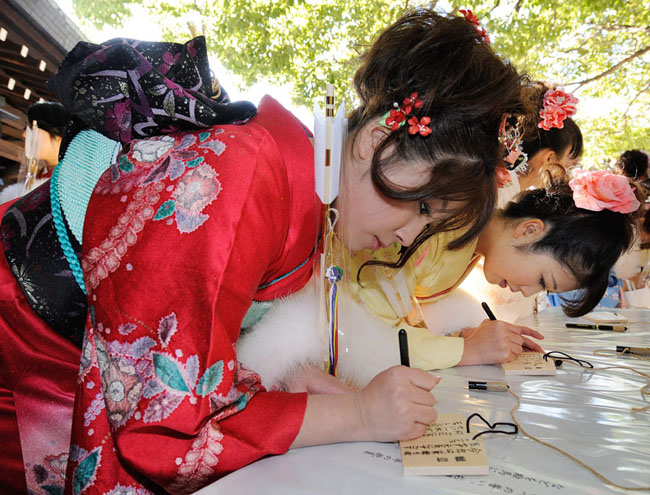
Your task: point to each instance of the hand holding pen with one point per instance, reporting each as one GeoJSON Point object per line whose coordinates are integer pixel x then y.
{"type": "Point", "coordinates": [398, 402]}
{"type": "Point", "coordinates": [527, 345]}
{"type": "Point", "coordinates": [494, 341]}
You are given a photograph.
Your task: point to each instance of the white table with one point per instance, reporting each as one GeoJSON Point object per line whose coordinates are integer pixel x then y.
{"type": "Point", "coordinates": [583, 412]}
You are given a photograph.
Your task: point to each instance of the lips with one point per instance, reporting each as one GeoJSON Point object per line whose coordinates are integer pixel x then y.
{"type": "Point", "coordinates": [503, 284]}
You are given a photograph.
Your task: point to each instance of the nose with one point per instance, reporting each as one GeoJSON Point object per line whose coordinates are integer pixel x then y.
{"type": "Point", "coordinates": [407, 233]}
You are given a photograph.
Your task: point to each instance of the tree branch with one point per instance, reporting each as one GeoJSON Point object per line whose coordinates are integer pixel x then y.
{"type": "Point", "coordinates": [496, 4]}
{"type": "Point", "coordinates": [613, 68]}
{"type": "Point", "coordinates": [636, 96]}
{"type": "Point", "coordinates": [624, 27]}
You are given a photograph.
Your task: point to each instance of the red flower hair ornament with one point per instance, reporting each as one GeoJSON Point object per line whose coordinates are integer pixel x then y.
{"type": "Point", "coordinates": [421, 126]}
{"type": "Point", "coordinates": [557, 107]}
{"type": "Point", "coordinates": [397, 117]}
{"type": "Point", "coordinates": [467, 14]}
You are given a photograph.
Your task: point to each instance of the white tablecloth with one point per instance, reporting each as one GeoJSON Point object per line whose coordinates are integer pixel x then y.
{"type": "Point", "coordinates": [587, 413]}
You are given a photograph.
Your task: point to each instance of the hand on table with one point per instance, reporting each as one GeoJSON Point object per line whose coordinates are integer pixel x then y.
{"type": "Point", "coordinates": [495, 341]}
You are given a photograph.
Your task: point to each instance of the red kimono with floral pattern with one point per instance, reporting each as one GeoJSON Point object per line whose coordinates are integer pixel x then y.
{"type": "Point", "coordinates": [180, 236]}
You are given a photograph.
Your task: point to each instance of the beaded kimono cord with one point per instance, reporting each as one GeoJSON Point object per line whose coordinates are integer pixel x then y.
{"type": "Point", "coordinates": [88, 156]}
{"type": "Point", "coordinates": [73, 180]}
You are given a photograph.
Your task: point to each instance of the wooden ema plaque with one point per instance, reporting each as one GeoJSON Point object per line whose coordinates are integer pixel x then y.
{"type": "Point", "coordinates": [445, 449]}
{"type": "Point", "coordinates": [529, 363]}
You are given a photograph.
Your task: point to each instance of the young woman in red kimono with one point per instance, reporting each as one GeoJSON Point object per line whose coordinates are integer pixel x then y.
{"type": "Point", "coordinates": [190, 229]}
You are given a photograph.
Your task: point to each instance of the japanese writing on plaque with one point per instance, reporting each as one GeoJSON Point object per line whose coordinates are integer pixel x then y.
{"type": "Point", "coordinates": [529, 363]}
{"type": "Point", "coordinates": [445, 448]}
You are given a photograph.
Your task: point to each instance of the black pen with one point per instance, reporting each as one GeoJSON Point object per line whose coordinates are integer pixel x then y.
{"type": "Point", "coordinates": [641, 351]}
{"type": "Point", "coordinates": [612, 328]}
{"type": "Point", "coordinates": [403, 348]}
{"type": "Point", "coordinates": [488, 311]}
{"type": "Point", "coordinates": [488, 386]}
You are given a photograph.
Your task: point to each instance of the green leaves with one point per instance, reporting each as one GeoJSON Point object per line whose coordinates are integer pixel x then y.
{"type": "Point", "coordinates": [168, 372]}
{"type": "Point", "coordinates": [592, 47]}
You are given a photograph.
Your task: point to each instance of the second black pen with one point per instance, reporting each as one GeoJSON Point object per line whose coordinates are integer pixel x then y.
{"type": "Point", "coordinates": [403, 348]}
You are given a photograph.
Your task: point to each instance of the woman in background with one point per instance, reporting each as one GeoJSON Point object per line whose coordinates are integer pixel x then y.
{"type": "Point", "coordinates": [51, 119]}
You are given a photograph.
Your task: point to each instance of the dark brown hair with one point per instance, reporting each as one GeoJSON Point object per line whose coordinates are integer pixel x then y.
{"type": "Point", "coordinates": [50, 116]}
{"type": "Point", "coordinates": [633, 164]}
{"type": "Point", "coordinates": [465, 89]}
{"type": "Point", "coordinates": [586, 242]}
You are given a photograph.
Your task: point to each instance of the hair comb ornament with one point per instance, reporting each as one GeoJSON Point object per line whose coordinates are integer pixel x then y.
{"type": "Point", "coordinates": [397, 117]}
{"type": "Point", "coordinates": [557, 107]}
{"type": "Point", "coordinates": [421, 126]}
{"type": "Point", "coordinates": [467, 14]}
{"type": "Point", "coordinates": [601, 190]}
{"type": "Point", "coordinates": [511, 137]}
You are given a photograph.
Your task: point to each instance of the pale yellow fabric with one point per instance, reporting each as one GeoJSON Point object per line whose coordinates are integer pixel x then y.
{"type": "Point", "coordinates": [430, 271]}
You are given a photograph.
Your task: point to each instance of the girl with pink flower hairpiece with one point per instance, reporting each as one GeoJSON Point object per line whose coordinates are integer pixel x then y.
{"type": "Point", "coordinates": [565, 236]}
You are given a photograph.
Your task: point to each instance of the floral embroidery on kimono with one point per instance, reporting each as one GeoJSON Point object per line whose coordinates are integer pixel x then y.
{"type": "Point", "coordinates": [144, 167]}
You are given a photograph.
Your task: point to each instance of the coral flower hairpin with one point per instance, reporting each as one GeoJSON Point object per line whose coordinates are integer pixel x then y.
{"type": "Point", "coordinates": [557, 107]}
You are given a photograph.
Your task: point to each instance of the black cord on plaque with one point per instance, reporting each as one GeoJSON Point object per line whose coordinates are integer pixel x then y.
{"type": "Point", "coordinates": [559, 357]}
{"type": "Point", "coordinates": [492, 427]}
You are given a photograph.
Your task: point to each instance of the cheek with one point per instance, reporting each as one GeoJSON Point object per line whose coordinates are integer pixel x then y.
{"type": "Point", "coordinates": [490, 272]}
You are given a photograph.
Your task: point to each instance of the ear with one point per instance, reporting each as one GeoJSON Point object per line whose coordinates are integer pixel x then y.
{"type": "Point", "coordinates": [529, 231]}
{"type": "Point", "coordinates": [369, 139]}
{"type": "Point", "coordinates": [549, 156]}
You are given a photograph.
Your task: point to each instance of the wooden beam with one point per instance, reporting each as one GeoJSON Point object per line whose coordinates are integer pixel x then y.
{"type": "Point", "coordinates": [11, 151]}
{"type": "Point", "coordinates": [24, 33]}
{"type": "Point", "coordinates": [20, 124]}
{"type": "Point", "coordinates": [8, 130]}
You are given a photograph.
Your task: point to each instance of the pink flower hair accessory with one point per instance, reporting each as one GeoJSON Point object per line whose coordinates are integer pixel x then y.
{"type": "Point", "coordinates": [557, 107]}
{"type": "Point", "coordinates": [601, 190]}
{"type": "Point", "coordinates": [467, 14]}
{"type": "Point", "coordinates": [397, 117]}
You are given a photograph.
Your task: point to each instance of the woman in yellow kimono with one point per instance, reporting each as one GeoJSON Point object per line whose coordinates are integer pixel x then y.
{"type": "Point", "coordinates": [563, 237]}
